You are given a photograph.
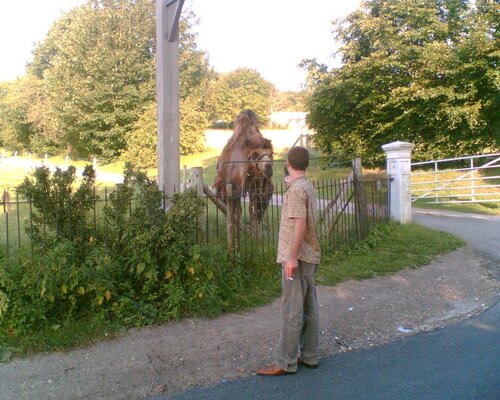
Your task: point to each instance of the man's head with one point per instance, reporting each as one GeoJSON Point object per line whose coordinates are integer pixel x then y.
{"type": "Point", "coordinates": [298, 158]}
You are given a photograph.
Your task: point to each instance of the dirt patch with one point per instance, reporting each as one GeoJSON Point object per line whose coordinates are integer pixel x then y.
{"type": "Point", "coordinates": [176, 356]}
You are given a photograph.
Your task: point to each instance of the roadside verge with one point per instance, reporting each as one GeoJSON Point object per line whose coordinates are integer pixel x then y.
{"type": "Point", "coordinates": [180, 355]}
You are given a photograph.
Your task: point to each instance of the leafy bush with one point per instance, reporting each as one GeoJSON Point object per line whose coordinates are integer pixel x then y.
{"type": "Point", "coordinates": [58, 206]}
{"type": "Point", "coordinates": [140, 266]}
{"type": "Point", "coordinates": [45, 290]}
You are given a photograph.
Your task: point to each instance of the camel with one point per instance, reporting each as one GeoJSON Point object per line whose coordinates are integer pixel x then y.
{"type": "Point", "coordinates": [246, 163]}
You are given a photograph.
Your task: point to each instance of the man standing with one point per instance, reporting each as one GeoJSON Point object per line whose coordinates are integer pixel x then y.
{"type": "Point", "coordinates": [299, 255]}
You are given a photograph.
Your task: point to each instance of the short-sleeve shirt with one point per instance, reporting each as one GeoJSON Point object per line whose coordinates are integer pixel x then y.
{"type": "Point", "coordinates": [299, 202]}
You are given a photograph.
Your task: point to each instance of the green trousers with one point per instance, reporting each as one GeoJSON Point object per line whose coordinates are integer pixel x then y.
{"type": "Point", "coordinates": [300, 313]}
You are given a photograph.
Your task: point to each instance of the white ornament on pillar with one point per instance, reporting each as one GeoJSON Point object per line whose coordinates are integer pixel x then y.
{"type": "Point", "coordinates": [398, 156]}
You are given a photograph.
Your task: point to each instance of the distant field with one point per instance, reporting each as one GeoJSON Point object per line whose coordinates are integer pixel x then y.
{"type": "Point", "coordinates": [485, 189]}
{"type": "Point", "coordinates": [14, 169]}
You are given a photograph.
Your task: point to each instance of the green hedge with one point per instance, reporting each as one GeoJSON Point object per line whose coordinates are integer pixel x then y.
{"type": "Point", "coordinates": [140, 266]}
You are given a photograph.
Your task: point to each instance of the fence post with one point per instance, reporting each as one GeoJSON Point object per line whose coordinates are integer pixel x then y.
{"type": "Point", "coordinates": [6, 201]}
{"type": "Point", "coordinates": [436, 180]}
{"type": "Point", "coordinates": [472, 182]}
{"type": "Point", "coordinates": [184, 178]}
{"type": "Point", "coordinates": [308, 141]}
{"type": "Point", "coordinates": [398, 156]}
{"type": "Point", "coordinates": [197, 180]}
{"type": "Point", "coordinates": [229, 219]}
{"type": "Point", "coordinates": [359, 196]}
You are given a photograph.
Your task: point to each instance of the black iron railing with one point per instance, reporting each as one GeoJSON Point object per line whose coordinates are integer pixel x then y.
{"type": "Point", "coordinates": [347, 210]}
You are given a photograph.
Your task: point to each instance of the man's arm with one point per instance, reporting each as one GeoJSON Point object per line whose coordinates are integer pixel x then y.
{"type": "Point", "coordinates": [299, 234]}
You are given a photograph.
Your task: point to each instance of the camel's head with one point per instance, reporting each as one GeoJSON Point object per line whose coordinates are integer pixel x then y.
{"type": "Point", "coordinates": [262, 157]}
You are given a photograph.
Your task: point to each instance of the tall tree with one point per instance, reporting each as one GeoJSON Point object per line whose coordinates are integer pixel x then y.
{"type": "Point", "coordinates": [16, 129]}
{"type": "Point", "coordinates": [195, 76]}
{"type": "Point", "coordinates": [97, 65]}
{"type": "Point", "coordinates": [288, 101]}
{"type": "Point", "coordinates": [238, 90]}
{"type": "Point", "coordinates": [404, 78]}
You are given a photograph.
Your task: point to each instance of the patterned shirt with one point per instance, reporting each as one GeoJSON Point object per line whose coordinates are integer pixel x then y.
{"type": "Point", "coordinates": [299, 202]}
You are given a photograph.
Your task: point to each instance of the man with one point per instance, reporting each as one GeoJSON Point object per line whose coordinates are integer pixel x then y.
{"type": "Point", "coordinates": [299, 255]}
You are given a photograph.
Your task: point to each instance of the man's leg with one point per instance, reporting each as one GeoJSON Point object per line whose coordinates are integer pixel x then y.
{"type": "Point", "coordinates": [292, 317]}
{"type": "Point", "coordinates": [309, 338]}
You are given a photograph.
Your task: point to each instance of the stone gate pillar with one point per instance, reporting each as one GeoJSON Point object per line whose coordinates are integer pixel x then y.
{"type": "Point", "coordinates": [398, 156]}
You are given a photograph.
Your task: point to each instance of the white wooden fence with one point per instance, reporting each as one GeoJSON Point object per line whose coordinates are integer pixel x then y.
{"type": "Point", "coordinates": [473, 179]}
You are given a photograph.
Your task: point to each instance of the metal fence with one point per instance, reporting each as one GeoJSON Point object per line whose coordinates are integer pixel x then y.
{"type": "Point", "coordinates": [22, 227]}
{"type": "Point", "coordinates": [473, 179]}
{"type": "Point", "coordinates": [348, 209]}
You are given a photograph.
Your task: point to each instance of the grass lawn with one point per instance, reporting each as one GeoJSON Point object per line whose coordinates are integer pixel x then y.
{"type": "Point", "coordinates": [12, 175]}
{"type": "Point", "coordinates": [390, 248]}
{"type": "Point", "coordinates": [478, 208]}
{"type": "Point", "coordinates": [426, 182]}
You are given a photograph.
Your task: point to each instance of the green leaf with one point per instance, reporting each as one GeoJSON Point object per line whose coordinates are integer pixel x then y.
{"type": "Point", "coordinates": [43, 289]}
{"type": "Point", "coordinates": [140, 268]}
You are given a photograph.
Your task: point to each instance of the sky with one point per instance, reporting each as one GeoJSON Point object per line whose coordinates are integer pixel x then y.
{"type": "Point", "coordinates": [270, 36]}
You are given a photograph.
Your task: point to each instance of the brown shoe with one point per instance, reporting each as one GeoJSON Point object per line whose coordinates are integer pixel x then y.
{"type": "Point", "coordinates": [300, 361]}
{"type": "Point", "coordinates": [273, 370]}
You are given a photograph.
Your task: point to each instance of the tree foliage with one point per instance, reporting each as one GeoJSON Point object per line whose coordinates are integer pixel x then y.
{"type": "Point", "coordinates": [97, 65]}
{"type": "Point", "coordinates": [288, 101]}
{"type": "Point", "coordinates": [93, 77]}
{"type": "Point", "coordinates": [14, 110]}
{"type": "Point", "coordinates": [238, 90]}
{"type": "Point", "coordinates": [195, 76]}
{"type": "Point", "coordinates": [90, 89]}
{"type": "Point", "coordinates": [415, 70]}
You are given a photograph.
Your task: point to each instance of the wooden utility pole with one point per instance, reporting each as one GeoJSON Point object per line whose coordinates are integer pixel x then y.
{"type": "Point", "coordinates": [167, 94]}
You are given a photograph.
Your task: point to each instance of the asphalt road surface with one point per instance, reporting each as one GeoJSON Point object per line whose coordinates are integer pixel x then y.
{"type": "Point", "coordinates": [481, 232]}
{"type": "Point", "coordinates": [458, 362]}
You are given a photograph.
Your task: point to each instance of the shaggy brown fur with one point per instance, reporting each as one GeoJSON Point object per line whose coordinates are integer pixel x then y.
{"type": "Point", "coordinates": [246, 157]}
{"type": "Point", "coordinates": [246, 126]}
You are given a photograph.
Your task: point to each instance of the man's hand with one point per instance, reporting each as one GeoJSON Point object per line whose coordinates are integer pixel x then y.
{"type": "Point", "coordinates": [290, 265]}
{"type": "Point", "coordinates": [298, 237]}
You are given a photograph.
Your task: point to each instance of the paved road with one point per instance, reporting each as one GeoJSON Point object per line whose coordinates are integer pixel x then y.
{"type": "Point", "coordinates": [458, 362]}
{"type": "Point", "coordinates": [481, 232]}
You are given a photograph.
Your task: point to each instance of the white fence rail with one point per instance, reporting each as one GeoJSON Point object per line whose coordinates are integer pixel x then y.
{"type": "Point", "coordinates": [473, 179]}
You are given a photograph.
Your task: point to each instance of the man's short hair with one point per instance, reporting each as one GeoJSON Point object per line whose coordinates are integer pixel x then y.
{"type": "Point", "coordinates": [298, 157]}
